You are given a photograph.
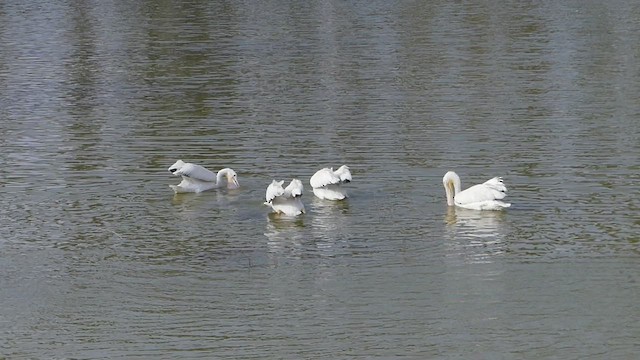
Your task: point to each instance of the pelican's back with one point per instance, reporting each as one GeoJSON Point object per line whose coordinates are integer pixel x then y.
{"type": "Point", "coordinates": [324, 177]}
{"type": "Point", "coordinates": [196, 172]}
{"type": "Point", "coordinates": [483, 196]}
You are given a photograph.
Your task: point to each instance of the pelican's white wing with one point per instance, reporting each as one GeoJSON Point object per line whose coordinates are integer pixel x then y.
{"type": "Point", "coordinates": [324, 177]}
{"type": "Point", "coordinates": [176, 166]}
{"type": "Point", "coordinates": [285, 201]}
{"type": "Point", "coordinates": [294, 189]}
{"type": "Point", "coordinates": [274, 190]}
{"type": "Point", "coordinates": [498, 187]}
{"type": "Point", "coordinates": [195, 172]}
{"type": "Point", "coordinates": [343, 173]}
{"type": "Point", "coordinates": [493, 189]}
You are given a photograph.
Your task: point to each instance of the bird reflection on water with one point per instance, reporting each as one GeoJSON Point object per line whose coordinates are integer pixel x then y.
{"type": "Point", "coordinates": [285, 234]}
{"type": "Point", "coordinates": [322, 232]}
{"type": "Point", "coordinates": [330, 225]}
{"type": "Point", "coordinates": [476, 235]}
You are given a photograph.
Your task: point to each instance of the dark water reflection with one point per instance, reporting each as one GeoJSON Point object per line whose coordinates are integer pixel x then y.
{"type": "Point", "coordinates": [99, 259]}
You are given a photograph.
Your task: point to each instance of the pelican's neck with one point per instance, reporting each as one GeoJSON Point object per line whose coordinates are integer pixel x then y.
{"type": "Point", "coordinates": [230, 177]}
{"type": "Point", "coordinates": [451, 182]}
{"type": "Point", "coordinates": [222, 173]}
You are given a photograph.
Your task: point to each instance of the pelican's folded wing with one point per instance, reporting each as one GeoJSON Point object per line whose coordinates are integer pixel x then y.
{"type": "Point", "coordinates": [343, 173]}
{"type": "Point", "coordinates": [294, 188]}
{"type": "Point", "coordinates": [176, 166]}
{"type": "Point", "coordinates": [479, 193]}
{"type": "Point", "coordinates": [196, 172]}
{"type": "Point", "coordinates": [497, 186]}
{"type": "Point", "coordinates": [274, 190]}
{"type": "Point", "coordinates": [324, 177]}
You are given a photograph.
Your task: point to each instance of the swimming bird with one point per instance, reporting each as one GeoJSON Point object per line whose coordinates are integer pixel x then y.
{"type": "Point", "coordinates": [327, 184]}
{"type": "Point", "coordinates": [483, 196]}
{"type": "Point", "coordinates": [196, 178]}
{"type": "Point", "coordinates": [285, 200]}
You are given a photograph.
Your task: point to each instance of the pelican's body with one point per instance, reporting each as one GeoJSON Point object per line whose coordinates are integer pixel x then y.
{"type": "Point", "coordinates": [485, 196]}
{"type": "Point", "coordinates": [327, 184]}
{"type": "Point", "coordinates": [196, 178]}
{"type": "Point", "coordinates": [285, 200]}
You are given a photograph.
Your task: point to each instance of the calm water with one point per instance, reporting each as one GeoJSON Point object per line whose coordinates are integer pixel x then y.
{"type": "Point", "coordinates": [98, 258]}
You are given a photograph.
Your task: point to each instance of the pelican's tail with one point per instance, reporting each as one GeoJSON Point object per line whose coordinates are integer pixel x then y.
{"type": "Point", "coordinates": [495, 205]}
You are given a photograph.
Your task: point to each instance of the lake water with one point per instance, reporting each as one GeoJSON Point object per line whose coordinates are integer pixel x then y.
{"type": "Point", "coordinates": [99, 259]}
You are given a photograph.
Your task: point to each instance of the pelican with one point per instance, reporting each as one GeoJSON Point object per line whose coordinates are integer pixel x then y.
{"type": "Point", "coordinates": [326, 183]}
{"type": "Point", "coordinates": [483, 196]}
{"type": "Point", "coordinates": [196, 178]}
{"type": "Point", "coordinates": [285, 200]}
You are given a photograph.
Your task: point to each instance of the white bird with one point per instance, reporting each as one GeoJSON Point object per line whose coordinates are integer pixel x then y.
{"type": "Point", "coordinates": [196, 178]}
{"type": "Point", "coordinates": [483, 196]}
{"type": "Point", "coordinates": [285, 200]}
{"type": "Point", "coordinates": [327, 184]}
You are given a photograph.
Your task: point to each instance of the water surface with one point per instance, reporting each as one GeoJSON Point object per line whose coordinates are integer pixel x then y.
{"type": "Point", "coordinates": [99, 259]}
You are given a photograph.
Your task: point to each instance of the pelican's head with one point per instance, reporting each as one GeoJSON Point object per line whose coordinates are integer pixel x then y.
{"type": "Point", "coordinates": [175, 167]}
{"type": "Point", "coordinates": [232, 178]}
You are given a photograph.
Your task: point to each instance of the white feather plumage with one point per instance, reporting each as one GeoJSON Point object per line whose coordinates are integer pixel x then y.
{"type": "Point", "coordinates": [483, 196]}
{"type": "Point", "coordinates": [285, 200]}
{"type": "Point", "coordinates": [327, 184]}
{"type": "Point", "coordinates": [196, 178]}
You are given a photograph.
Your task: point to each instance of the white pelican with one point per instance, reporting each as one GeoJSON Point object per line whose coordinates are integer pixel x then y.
{"type": "Point", "coordinates": [483, 196]}
{"type": "Point", "coordinates": [196, 178]}
{"type": "Point", "coordinates": [286, 201]}
{"type": "Point", "coordinates": [326, 183]}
